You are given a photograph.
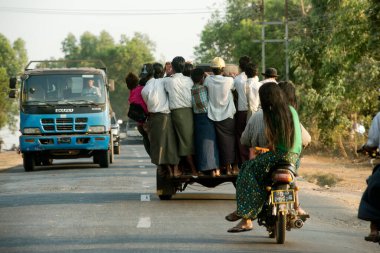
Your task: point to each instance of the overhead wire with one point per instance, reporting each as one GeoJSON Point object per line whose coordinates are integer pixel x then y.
{"type": "Point", "coordinates": [135, 12]}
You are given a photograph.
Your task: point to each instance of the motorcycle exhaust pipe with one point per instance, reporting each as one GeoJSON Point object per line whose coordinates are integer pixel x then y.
{"type": "Point", "coordinates": [298, 223]}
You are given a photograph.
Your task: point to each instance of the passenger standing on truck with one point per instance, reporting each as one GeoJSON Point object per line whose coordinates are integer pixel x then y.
{"type": "Point", "coordinates": [163, 145]}
{"type": "Point", "coordinates": [253, 86]}
{"type": "Point", "coordinates": [270, 76]}
{"type": "Point", "coordinates": [283, 133]}
{"type": "Point", "coordinates": [135, 86]}
{"type": "Point", "coordinates": [221, 109]}
{"type": "Point", "coordinates": [206, 149]}
{"type": "Point", "coordinates": [178, 88]}
{"type": "Point", "coordinates": [240, 83]}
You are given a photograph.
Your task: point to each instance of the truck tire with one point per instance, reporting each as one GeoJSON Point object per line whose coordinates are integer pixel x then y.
{"type": "Point", "coordinates": [165, 187]}
{"type": "Point", "coordinates": [112, 156]}
{"type": "Point", "coordinates": [28, 162]}
{"type": "Point", "coordinates": [116, 149]}
{"type": "Point", "coordinates": [104, 158]}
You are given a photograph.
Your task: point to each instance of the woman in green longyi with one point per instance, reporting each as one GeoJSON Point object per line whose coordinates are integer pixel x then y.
{"type": "Point", "coordinates": [283, 132]}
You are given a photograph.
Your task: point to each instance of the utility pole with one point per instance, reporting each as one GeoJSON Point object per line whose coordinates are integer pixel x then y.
{"type": "Point", "coordinates": [285, 40]}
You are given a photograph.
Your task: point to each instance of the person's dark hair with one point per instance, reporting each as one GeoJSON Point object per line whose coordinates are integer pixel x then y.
{"type": "Point", "coordinates": [277, 116]}
{"type": "Point", "coordinates": [178, 64]}
{"type": "Point", "coordinates": [197, 74]}
{"type": "Point", "coordinates": [251, 70]}
{"type": "Point", "coordinates": [131, 80]}
{"type": "Point", "coordinates": [146, 73]}
{"type": "Point", "coordinates": [187, 69]}
{"type": "Point", "coordinates": [243, 61]}
{"type": "Point", "coordinates": [290, 92]}
{"type": "Point", "coordinates": [158, 70]}
{"type": "Point", "coordinates": [217, 71]}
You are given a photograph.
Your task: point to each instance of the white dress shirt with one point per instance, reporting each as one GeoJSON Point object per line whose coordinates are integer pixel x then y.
{"type": "Point", "coordinates": [178, 88]}
{"type": "Point", "coordinates": [155, 96]}
{"type": "Point", "coordinates": [253, 86]}
{"type": "Point", "coordinates": [240, 83]}
{"type": "Point", "coordinates": [221, 103]}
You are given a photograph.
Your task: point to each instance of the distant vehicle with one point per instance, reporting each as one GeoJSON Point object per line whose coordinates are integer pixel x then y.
{"type": "Point", "coordinates": [64, 112]}
{"type": "Point", "coordinates": [115, 129]}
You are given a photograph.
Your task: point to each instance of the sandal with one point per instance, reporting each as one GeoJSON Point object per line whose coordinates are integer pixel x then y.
{"type": "Point", "coordinates": [233, 217]}
{"type": "Point", "coordinates": [238, 229]}
{"type": "Point", "coordinates": [243, 226]}
{"type": "Point", "coordinates": [372, 238]}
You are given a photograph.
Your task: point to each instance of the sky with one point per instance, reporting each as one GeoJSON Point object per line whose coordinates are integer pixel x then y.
{"type": "Point", "coordinates": [173, 25]}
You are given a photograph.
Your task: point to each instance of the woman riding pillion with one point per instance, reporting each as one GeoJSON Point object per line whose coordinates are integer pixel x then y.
{"type": "Point", "coordinates": [283, 133]}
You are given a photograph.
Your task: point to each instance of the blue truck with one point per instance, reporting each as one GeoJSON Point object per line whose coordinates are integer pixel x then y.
{"type": "Point", "coordinates": [65, 112]}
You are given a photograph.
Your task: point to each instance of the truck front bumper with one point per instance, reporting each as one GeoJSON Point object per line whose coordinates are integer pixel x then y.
{"type": "Point", "coordinates": [33, 143]}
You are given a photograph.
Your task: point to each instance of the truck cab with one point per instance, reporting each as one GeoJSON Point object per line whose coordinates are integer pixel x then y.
{"type": "Point", "coordinates": [64, 114]}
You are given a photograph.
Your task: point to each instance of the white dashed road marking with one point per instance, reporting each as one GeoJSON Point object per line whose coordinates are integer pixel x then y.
{"type": "Point", "coordinates": [144, 222]}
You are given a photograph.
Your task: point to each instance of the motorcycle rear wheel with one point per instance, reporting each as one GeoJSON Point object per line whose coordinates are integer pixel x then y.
{"type": "Point", "coordinates": [280, 228]}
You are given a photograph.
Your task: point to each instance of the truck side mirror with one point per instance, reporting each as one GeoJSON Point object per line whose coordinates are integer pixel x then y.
{"type": "Point", "coordinates": [12, 82]}
{"type": "Point", "coordinates": [13, 93]}
{"type": "Point", "coordinates": [111, 85]}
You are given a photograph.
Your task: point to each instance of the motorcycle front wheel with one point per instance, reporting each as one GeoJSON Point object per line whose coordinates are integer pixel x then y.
{"type": "Point", "coordinates": [280, 228]}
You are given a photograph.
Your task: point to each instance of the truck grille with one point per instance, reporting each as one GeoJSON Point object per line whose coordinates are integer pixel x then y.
{"type": "Point", "coordinates": [52, 125]}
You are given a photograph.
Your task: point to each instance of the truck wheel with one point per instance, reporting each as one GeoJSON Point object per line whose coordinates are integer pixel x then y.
{"type": "Point", "coordinates": [29, 162]}
{"type": "Point", "coordinates": [111, 151]}
{"type": "Point", "coordinates": [104, 158]}
{"type": "Point", "coordinates": [165, 187]}
{"type": "Point", "coordinates": [116, 150]}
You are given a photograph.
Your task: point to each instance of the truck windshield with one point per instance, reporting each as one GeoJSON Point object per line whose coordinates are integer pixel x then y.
{"type": "Point", "coordinates": [63, 88]}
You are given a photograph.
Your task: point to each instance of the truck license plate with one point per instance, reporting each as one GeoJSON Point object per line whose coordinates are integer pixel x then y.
{"type": "Point", "coordinates": [64, 140]}
{"type": "Point", "coordinates": [282, 196]}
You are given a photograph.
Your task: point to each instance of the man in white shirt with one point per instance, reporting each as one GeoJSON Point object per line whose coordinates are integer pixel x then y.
{"type": "Point", "coordinates": [253, 86]}
{"type": "Point", "coordinates": [178, 88]}
{"type": "Point", "coordinates": [240, 84]}
{"type": "Point", "coordinates": [221, 110]}
{"type": "Point", "coordinates": [369, 208]}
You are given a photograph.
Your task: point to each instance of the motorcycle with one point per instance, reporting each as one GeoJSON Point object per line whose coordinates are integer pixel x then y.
{"type": "Point", "coordinates": [278, 214]}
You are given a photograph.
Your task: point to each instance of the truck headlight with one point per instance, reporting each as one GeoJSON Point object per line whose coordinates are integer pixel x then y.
{"type": "Point", "coordinates": [97, 129]}
{"type": "Point", "coordinates": [32, 130]}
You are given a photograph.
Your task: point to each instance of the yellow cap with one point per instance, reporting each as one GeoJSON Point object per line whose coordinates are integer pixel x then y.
{"type": "Point", "coordinates": [218, 62]}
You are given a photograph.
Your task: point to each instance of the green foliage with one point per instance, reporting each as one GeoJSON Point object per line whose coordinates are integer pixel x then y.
{"type": "Point", "coordinates": [120, 58]}
{"type": "Point", "coordinates": [333, 65]}
{"type": "Point", "coordinates": [12, 59]}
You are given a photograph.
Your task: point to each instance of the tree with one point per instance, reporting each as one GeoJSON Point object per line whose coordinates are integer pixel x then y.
{"type": "Point", "coordinates": [231, 36]}
{"type": "Point", "coordinates": [12, 59]}
{"type": "Point", "coordinates": [120, 58]}
{"type": "Point", "coordinates": [335, 70]}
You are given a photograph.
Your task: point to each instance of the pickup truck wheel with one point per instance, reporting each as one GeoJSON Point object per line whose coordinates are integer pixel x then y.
{"type": "Point", "coordinates": [29, 162]}
{"type": "Point", "coordinates": [111, 151]}
{"type": "Point", "coordinates": [116, 150]}
{"type": "Point", "coordinates": [104, 158]}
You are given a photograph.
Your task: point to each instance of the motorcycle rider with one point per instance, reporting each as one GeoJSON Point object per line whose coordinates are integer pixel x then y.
{"type": "Point", "coordinates": [283, 132]}
{"type": "Point", "coordinates": [369, 208]}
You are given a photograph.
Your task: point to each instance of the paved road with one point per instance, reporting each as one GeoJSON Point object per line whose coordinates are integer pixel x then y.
{"type": "Point", "coordinates": [79, 207]}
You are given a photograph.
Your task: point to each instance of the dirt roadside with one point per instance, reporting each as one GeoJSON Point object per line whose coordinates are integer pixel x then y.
{"type": "Point", "coordinates": [352, 175]}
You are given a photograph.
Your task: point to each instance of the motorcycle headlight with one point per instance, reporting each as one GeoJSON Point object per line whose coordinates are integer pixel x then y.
{"type": "Point", "coordinates": [32, 130]}
{"type": "Point", "coordinates": [97, 129]}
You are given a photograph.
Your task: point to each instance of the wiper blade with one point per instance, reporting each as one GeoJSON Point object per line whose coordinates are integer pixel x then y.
{"type": "Point", "coordinates": [87, 102]}
{"type": "Point", "coordinates": [39, 103]}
